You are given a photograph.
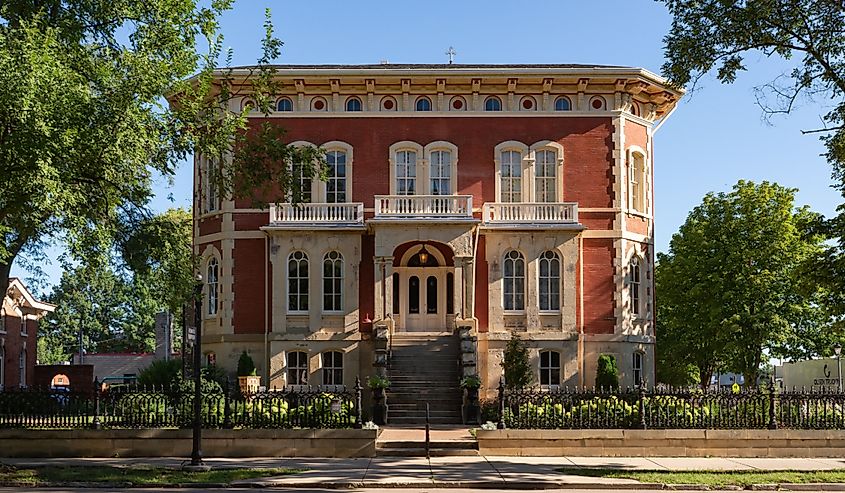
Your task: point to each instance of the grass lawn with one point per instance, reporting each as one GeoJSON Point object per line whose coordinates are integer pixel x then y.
{"type": "Point", "coordinates": [136, 476]}
{"type": "Point", "coordinates": [714, 478]}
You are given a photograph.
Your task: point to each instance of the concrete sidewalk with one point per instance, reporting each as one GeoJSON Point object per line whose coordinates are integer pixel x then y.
{"type": "Point", "coordinates": [486, 472]}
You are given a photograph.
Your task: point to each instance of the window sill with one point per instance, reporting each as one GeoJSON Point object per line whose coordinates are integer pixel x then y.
{"type": "Point", "coordinates": [637, 213]}
{"type": "Point", "coordinates": [513, 312]}
{"type": "Point", "coordinates": [549, 312]}
{"type": "Point", "coordinates": [298, 314]}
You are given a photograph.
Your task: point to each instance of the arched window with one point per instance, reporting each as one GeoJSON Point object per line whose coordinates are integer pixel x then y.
{"type": "Point", "coordinates": [301, 174]}
{"type": "Point", "coordinates": [545, 175]}
{"type": "Point", "coordinates": [333, 368]}
{"type": "Point", "coordinates": [333, 282]}
{"type": "Point", "coordinates": [298, 282]}
{"type": "Point", "coordinates": [492, 104]}
{"type": "Point", "coordinates": [211, 286]}
{"type": "Point", "coordinates": [510, 167]}
{"type": "Point", "coordinates": [406, 172]}
{"type": "Point", "coordinates": [210, 177]}
{"type": "Point", "coordinates": [549, 368]}
{"type": "Point", "coordinates": [353, 104]}
{"type": "Point", "coordinates": [563, 104]}
{"type": "Point", "coordinates": [635, 108]}
{"type": "Point", "coordinates": [297, 368]}
{"type": "Point", "coordinates": [514, 277]}
{"type": "Point", "coordinates": [336, 180]}
{"type": "Point", "coordinates": [440, 172]}
{"type": "Point", "coordinates": [636, 180]}
{"type": "Point", "coordinates": [284, 104]}
{"type": "Point", "coordinates": [22, 368]}
{"type": "Point", "coordinates": [423, 104]}
{"type": "Point", "coordinates": [634, 286]}
{"type": "Point", "coordinates": [549, 281]}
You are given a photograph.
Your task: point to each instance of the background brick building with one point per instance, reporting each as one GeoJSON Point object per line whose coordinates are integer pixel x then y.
{"type": "Point", "coordinates": [19, 319]}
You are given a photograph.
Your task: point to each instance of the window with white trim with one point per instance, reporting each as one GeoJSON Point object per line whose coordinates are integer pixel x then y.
{"type": "Point", "coordinates": [211, 286]}
{"type": "Point", "coordinates": [545, 175]}
{"type": "Point", "coordinates": [302, 175]}
{"type": "Point", "coordinates": [211, 200]}
{"type": "Point", "coordinates": [284, 104]}
{"type": "Point", "coordinates": [549, 368]}
{"type": "Point", "coordinates": [23, 324]}
{"type": "Point", "coordinates": [336, 182]}
{"type": "Point", "coordinates": [353, 104]}
{"type": "Point", "coordinates": [297, 368]}
{"type": "Point", "coordinates": [333, 282]}
{"type": "Point", "coordinates": [440, 172]}
{"type": "Point", "coordinates": [637, 366]}
{"type": "Point", "coordinates": [298, 282]}
{"type": "Point", "coordinates": [562, 103]}
{"type": "Point", "coordinates": [22, 368]}
{"type": "Point", "coordinates": [423, 104]}
{"type": "Point", "coordinates": [634, 286]}
{"type": "Point", "coordinates": [406, 172]}
{"type": "Point", "coordinates": [510, 169]}
{"type": "Point", "coordinates": [636, 180]}
{"type": "Point", "coordinates": [492, 103]}
{"type": "Point", "coordinates": [549, 279]}
{"type": "Point", "coordinates": [332, 368]}
{"type": "Point", "coordinates": [514, 281]}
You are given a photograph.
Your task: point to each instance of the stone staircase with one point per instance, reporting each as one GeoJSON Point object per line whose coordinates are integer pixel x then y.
{"type": "Point", "coordinates": [439, 448]}
{"type": "Point", "coordinates": [424, 368]}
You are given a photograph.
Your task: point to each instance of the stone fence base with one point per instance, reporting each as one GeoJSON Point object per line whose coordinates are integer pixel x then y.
{"type": "Point", "coordinates": [663, 443]}
{"type": "Point", "coordinates": [177, 443]}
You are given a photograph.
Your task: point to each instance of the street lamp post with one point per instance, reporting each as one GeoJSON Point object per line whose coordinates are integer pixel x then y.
{"type": "Point", "coordinates": [196, 449]}
{"type": "Point", "coordinates": [837, 350]}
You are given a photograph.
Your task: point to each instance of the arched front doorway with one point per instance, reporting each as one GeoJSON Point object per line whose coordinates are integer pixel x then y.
{"type": "Point", "coordinates": [423, 290]}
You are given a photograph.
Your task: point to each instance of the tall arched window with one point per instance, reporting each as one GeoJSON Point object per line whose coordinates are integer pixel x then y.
{"type": "Point", "coordinates": [549, 368]}
{"type": "Point", "coordinates": [297, 368]}
{"type": "Point", "coordinates": [211, 285]}
{"type": "Point", "coordinates": [211, 199]}
{"type": "Point", "coordinates": [637, 367]}
{"type": "Point", "coordinates": [440, 172]}
{"type": "Point", "coordinates": [22, 368]}
{"type": "Point", "coordinates": [333, 282]}
{"type": "Point", "coordinates": [333, 368]}
{"type": "Point", "coordinates": [302, 175]}
{"type": "Point", "coordinates": [549, 281]}
{"type": "Point", "coordinates": [423, 104]}
{"type": "Point", "coordinates": [514, 277]}
{"type": "Point", "coordinates": [510, 167]}
{"type": "Point", "coordinates": [563, 104]}
{"type": "Point", "coordinates": [634, 286]}
{"type": "Point", "coordinates": [492, 104]}
{"type": "Point", "coordinates": [298, 282]}
{"type": "Point", "coordinates": [406, 172]}
{"type": "Point", "coordinates": [353, 104]}
{"type": "Point", "coordinates": [545, 175]}
{"type": "Point", "coordinates": [284, 104]}
{"type": "Point", "coordinates": [636, 180]}
{"type": "Point", "coordinates": [336, 181]}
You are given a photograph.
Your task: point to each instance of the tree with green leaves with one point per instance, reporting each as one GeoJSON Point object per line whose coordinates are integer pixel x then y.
{"type": "Point", "coordinates": [730, 287]}
{"type": "Point", "coordinates": [516, 365]}
{"type": "Point", "coordinates": [808, 38]}
{"type": "Point", "coordinates": [85, 128]}
{"type": "Point", "coordinates": [607, 373]}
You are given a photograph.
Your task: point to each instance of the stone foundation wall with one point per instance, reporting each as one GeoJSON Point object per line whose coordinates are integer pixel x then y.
{"type": "Point", "coordinates": [663, 443]}
{"type": "Point", "coordinates": [177, 443]}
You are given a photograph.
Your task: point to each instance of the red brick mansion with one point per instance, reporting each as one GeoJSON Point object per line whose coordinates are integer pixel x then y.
{"type": "Point", "coordinates": [489, 199]}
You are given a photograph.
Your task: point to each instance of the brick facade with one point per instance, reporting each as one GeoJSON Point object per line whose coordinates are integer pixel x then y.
{"type": "Point", "coordinates": [19, 319]}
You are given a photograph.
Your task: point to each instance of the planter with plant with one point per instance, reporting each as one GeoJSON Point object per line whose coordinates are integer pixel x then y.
{"type": "Point", "coordinates": [248, 378]}
{"type": "Point", "coordinates": [378, 385]}
{"type": "Point", "coordinates": [471, 407]}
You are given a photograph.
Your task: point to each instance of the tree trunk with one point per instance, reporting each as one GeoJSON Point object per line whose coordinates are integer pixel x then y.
{"type": "Point", "coordinates": [5, 269]}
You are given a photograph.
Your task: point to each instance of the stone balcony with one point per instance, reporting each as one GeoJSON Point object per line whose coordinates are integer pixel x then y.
{"type": "Point", "coordinates": [518, 215]}
{"type": "Point", "coordinates": [423, 207]}
{"type": "Point", "coordinates": [317, 216]}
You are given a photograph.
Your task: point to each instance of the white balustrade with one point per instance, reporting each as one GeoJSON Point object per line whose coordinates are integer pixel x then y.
{"type": "Point", "coordinates": [342, 213]}
{"type": "Point", "coordinates": [438, 206]}
{"type": "Point", "coordinates": [530, 213]}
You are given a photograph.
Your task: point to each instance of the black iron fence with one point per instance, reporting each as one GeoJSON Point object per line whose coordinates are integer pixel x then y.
{"type": "Point", "coordinates": [131, 406]}
{"type": "Point", "coordinates": [661, 408]}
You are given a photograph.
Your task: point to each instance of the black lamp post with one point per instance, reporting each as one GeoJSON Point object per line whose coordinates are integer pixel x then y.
{"type": "Point", "coordinates": [196, 449]}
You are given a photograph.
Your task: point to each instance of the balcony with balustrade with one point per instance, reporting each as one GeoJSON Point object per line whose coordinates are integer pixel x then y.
{"type": "Point", "coordinates": [435, 208]}
{"type": "Point", "coordinates": [536, 215]}
{"type": "Point", "coordinates": [349, 215]}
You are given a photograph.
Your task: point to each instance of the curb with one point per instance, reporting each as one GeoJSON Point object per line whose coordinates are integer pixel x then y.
{"type": "Point", "coordinates": [538, 485]}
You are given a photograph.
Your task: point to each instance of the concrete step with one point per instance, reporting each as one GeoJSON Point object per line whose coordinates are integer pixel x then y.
{"type": "Point", "coordinates": [417, 420]}
{"type": "Point", "coordinates": [412, 444]}
{"type": "Point", "coordinates": [420, 452]}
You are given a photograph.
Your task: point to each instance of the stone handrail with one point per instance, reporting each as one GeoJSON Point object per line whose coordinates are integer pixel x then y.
{"type": "Point", "coordinates": [349, 212]}
{"type": "Point", "coordinates": [457, 206]}
{"type": "Point", "coordinates": [530, 213]}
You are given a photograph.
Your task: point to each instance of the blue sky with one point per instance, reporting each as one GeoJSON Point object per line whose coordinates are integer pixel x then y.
{"type": "Point", "coordinates": [716, 137]}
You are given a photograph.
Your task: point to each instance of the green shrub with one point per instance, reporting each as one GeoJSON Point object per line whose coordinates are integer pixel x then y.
{"type": "Point", "coordinates": [246, 367]}
{"type": "Point", "coordinates": [161, 373]}
{"type": "Point", "coordinates": [607, 374]}
{"type": "Point", "coordinates": [516, 366]}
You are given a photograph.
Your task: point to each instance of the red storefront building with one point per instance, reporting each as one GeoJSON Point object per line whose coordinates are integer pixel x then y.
{"type": "Point", "coordinates": [504, 199]}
